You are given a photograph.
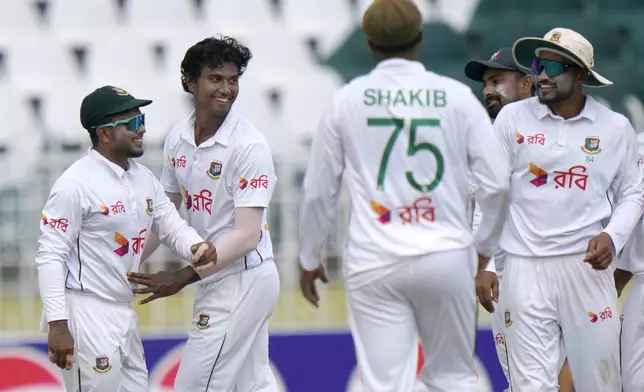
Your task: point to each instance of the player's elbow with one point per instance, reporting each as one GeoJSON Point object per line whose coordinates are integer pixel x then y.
{"type": "Point", "coordinates": [251, 239]}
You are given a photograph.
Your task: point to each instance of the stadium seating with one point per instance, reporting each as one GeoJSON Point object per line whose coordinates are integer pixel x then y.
{"type": "Point", "coordinates": [53, 52]}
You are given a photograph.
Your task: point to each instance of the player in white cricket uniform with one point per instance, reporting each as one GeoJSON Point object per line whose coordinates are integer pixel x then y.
{"type": "Point", "coordinates": [503, 83]}
{"type": "Point", "coordinates": [94, 227]}
{"type": "Point", "coordinates": [558, 247]}
{"type": "Point", "coordinates": [222, 168]}
{"type": "Point", "coordinates": [631, 263]}
{"type": "Point", "coordinates": [405, 139]}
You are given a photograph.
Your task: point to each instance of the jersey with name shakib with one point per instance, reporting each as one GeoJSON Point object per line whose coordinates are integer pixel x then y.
{"type": "Point", "coordinates": [95, 223]}
{"type": "Point", "coordinates": [405, 139]}
{"type": "Point", "coordinates": [563, 172]}
{"type": "Point", "coordinates": [232, 169]}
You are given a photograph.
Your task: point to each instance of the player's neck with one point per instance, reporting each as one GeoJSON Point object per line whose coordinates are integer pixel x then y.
{"type": "Point", "coordinates": [206, 125]}
{"type": "Point", "coordinates": [121, 161]}
{"type": "Point", "coordinates": [403, 55]}
{"type": "Point", "coordinates": [569, 108]}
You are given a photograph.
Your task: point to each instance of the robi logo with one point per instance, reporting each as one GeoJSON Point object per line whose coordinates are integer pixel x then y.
{"type": "Point", "coordinates": [484, 384]}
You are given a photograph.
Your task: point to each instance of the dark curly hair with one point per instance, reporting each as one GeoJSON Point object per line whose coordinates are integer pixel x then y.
{"type": "Point", "coordinates": [213, 53]}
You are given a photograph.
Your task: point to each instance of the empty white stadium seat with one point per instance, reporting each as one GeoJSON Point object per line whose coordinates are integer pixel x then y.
{"type": "Point", "coordinates": [328, 21]}
{"type": "Point", "coordinates": [18, 16]}
{"type": "Point", "coordinates": [19, 136]}
{"type": "Point", "coordinates": [153, 16]}
{"type": "Point", "coordinates": [84, 18]}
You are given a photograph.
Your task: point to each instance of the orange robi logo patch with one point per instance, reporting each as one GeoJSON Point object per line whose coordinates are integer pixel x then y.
{"type": "Point", "coordinates": [124, 244]}
{"type": "Point", "coordinates": [384, 213]}
{"type": "Point", "coordinates": [243, 183]}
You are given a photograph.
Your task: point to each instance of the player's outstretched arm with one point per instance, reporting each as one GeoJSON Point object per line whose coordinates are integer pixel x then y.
{"type": "Point", "coordinates": [491, 173]}
{"type": "Point", "coordinates": [628, 190]}
{"type": "Point", "coordinates": [173, 231]}
{"type": "Point", "coordinates": [153, 241]}
{"type": "Point", "coordinates": [60, 226]}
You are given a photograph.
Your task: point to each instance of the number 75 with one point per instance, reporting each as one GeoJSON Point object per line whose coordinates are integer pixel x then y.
{"type": "Point", "coordinates": [412, 148]}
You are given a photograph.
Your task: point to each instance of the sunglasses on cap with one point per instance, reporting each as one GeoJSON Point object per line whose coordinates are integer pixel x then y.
{"type": "Point", "coordinates": [552, 68]}
{"type": "Point", "coordinates": [133, 123]}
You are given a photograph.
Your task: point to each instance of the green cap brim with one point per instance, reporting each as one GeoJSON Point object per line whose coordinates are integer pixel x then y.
{"type": "Point", "coordinates": [475, 69]}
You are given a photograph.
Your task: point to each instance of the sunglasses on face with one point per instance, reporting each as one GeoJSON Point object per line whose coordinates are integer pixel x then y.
{"type": "Point", "coordinates": [552, 68]}
{"type": "Point", "coordinates": [133, 124]}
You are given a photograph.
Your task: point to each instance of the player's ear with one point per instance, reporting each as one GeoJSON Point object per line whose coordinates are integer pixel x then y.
{"type": "Point", "coordinates": [103, 134]}
{"type": "Point", "coordinates": [526, 84]}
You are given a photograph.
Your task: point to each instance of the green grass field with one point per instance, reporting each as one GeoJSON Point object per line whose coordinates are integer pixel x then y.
{"type": "Point", "coordinates": [22, 315]}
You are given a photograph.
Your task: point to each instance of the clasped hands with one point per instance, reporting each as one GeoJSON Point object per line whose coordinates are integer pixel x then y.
{"type": "Point", "coordinates": [166, 283]}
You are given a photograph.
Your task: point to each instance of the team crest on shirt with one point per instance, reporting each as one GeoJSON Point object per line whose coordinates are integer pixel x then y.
{"type": "Point", "coordinates": [591, 146]}
{"type": "Point", "coordinates": [149, 207]}
{"type": "Point", "coordinates": [508, 319]}
{"type": "Point", "coordinates": [102, 364]}
{"type": "Point", "coordinates": [214, 171]}
{"type": "Point", "coordinates": [202, 323]}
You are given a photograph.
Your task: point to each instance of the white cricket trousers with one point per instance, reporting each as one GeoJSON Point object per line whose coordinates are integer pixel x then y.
{"type": "Point", "coordinates": [632, 341]}
{"type": "Point", "coordinates": [499, 342]}
{"type": "Point", "coordinates": [432, 296]}
{"type": "Point", "coordinates": [547, 298]}
{"type": "Point", "coordinates": [227, 348]}
{"type": "Point", "coordinates": [107, 347]}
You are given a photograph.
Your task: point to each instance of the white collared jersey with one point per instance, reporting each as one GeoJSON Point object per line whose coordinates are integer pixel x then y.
{"type": "Point", "coordinates": [232, 169]}
{"type": "Point", "coordinates": [632, 258]}
{"type": "Point", "coordinates": [404, 138]}
{"type": "Point", "coordinates": [562, 174]}
{"type": "Point", "coordinates": [95, 221]}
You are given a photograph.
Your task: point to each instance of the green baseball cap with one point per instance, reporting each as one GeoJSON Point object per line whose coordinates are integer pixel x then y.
{"type": "Point", "coordinates": [107, 101]}
{"type": "Point", "coordinates": [501, 59]}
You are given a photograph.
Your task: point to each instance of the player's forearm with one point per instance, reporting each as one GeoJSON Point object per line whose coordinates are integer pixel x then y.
{"type": "Point", "coordinates": [235, 246]}
{"type": "Point", "coordinates": [494, 207]}
{"type": "Point", "coordinates": [316, 218]}
{"type": "Point", "coordinates": [187, 275]}
{"type": "Point", "coordinates": [623, 220]}
{"type": "Point", "coordinates": [51, 283]}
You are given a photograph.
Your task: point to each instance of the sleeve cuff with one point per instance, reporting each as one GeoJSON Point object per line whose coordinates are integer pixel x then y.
{"type": "Point", "coordinates": [491, 265]}
{"type": "Point", "coordinates": [309, 263]}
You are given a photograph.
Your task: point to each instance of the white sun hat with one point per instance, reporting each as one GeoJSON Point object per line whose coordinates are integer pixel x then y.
{"type": "Point", "coordinates": [565, 42]}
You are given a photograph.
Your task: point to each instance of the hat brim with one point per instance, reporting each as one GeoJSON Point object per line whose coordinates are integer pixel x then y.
{"type": "Point", "coordinates": [129, 105]}
{"type": "Point", "coordinates": [475, 69]}
{"type": "Point", "coordinates": [524, 51]}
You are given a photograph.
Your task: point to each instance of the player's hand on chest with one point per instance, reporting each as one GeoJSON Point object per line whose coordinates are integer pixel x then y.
{"type": "Point", "coordinates": [573, 160]}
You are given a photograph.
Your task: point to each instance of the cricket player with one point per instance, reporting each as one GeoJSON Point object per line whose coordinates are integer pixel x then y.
{"type": "Point", "coordinates": [566, 153]}
{"type": "Point", "coordinates": [221, 166]}
{"type": "Point", "coordinates": [405, 138]}
{"type": "Point", "coordinates": [503, 83]}
{"type": "Point", "coordinates": [94, 227]}
{"type": "Point", "coordinates": [631, 263]}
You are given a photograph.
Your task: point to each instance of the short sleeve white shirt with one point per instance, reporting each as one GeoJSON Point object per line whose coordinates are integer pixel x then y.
{"type": "Point", "coordinates": [232, 169]}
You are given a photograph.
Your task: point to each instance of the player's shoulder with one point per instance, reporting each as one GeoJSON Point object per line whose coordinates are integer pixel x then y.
{"type": "Point", "coordinates": [608, 115]}
{"type": "Point", "coordinates": [77, 174]}
{"type": "Point", "coordinates": [439, 81]}
{"type": "Point", "coordinates": [246, 136]}
{"type": "Point", "coordinates": [174, 136]}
